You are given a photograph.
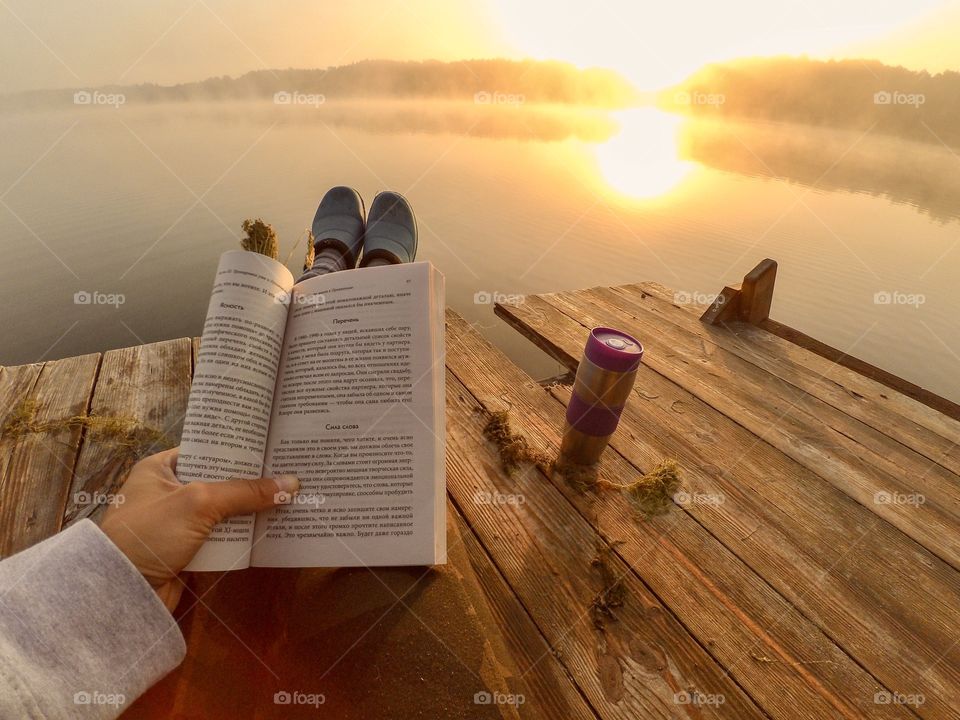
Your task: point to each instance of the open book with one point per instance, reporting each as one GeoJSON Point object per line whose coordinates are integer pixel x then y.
{"type": "Point", "coordinates": [340, 381]}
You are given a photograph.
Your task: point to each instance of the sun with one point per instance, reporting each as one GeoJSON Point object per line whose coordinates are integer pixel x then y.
{"type": "Point", "coordinates": [642, 160]}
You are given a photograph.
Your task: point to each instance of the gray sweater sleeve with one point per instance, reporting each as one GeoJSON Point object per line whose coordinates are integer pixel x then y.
{"type": "Point", "coordinates": [82, 634]}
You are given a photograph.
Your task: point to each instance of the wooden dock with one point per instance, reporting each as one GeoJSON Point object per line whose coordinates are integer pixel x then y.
{"type": "Point", "coordinates": [809, 568]}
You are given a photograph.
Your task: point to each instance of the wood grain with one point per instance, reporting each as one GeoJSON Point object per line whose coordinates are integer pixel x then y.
{"type": "Point", "coordinates": [636, 663]}
{"type": "Point", "coordinates": [549, 690]}
{"type": "Point", "coordinates": [734, 613]}
{"type": "Point", "coordinates": [796, 423]}
{"type": "Point", "coordinates": [906, 416]}
{"type": "Point", "coordinates": [884, 599]}
{"type": "Point", "coordinates": [148, 385]}
{"type": "Point", "coordinates": [37, 467]}
{"type": "Point", "coordinates": [918, 429]}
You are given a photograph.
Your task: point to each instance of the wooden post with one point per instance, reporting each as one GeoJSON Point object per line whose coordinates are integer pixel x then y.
{"type": "Point", "coordinates": [756, 293]}
{"type": "Point", "coordinates": [749, 301]}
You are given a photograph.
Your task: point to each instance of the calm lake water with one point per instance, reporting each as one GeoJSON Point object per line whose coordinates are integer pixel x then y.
{"type": "Point", "coordinates": [140, 202]}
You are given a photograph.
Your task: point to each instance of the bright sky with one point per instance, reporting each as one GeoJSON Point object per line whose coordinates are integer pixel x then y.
{"type": "Point", "coordinates": [66, 43]}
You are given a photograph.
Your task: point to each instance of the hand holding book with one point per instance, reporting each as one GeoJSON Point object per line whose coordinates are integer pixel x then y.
{"type": "Point", "coordinates": [338, 380]}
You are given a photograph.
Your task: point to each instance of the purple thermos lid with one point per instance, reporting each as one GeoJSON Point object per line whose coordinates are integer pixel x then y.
{"type": "Point", "coordinates": [613, 350]}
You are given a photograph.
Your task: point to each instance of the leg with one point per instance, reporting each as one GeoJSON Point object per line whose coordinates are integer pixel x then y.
{"type": "Point", "coordinates": [328, 260]}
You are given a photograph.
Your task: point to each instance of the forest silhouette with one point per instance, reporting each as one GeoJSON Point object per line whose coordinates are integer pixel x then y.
{"type": "Point", "coordinates": [852, 94]}
{"type": "Point", "coordinates": [482, 81]}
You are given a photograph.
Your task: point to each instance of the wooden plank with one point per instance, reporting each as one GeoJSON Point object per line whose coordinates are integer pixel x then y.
{"type": "Point", "coordinates": [800, 426]}
{"type": "Point", "coordinates": [855, 377]}
{"type": "Point", "coordinates": [736, 615]}
{"type": "Point", "coordinates": [823, 403]}
{"type": "Point", "coordinates": [147, 387]}
{"type": "Point", "coordinates": [862, 367]}
{"type": "Point", "coordinates": [884, 599]}
{"type": "Point", "coordinates": [926, 431]}
{"type": "Point", "coordinates": [15, 385]}
{"type": "Point", "coordinates": [631, 665]}
{"type": "Point", "coordinates": [549, 690]}
{"type": "Point", "coordinates": [37, 466]}
{"type": "Point", "coordinates": [490, 660]}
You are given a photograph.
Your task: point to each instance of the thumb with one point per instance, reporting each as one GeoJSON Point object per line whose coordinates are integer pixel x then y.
{"type": "Point", "coordinates": [243, 497]}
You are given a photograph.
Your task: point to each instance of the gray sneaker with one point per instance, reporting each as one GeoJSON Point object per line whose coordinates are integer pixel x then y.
{"type": "Point", "coordinates": [391, 230]}
{"type": "Point", "coordinates": [339, 223]}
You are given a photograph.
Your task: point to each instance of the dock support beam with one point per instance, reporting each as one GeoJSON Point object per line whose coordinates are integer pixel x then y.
{"type": "Point", "coordinates": [748, 301]}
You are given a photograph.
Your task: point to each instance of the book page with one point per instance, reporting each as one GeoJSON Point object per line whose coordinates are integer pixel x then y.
{"type": "Point", "coordinates": [354, 418]}
{"type": "Point", "coordinates": [228, 414]}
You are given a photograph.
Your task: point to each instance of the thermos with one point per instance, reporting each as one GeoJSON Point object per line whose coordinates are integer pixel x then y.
{"type": "Point", "coordinates": [603, 383]}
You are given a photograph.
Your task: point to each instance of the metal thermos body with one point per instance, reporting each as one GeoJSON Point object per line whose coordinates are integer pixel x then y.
{"type": "Point", "coordinates": [603, 384]}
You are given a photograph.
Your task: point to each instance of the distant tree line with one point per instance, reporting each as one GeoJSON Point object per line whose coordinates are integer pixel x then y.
{"type": "Point", "coordinates": [853, 94]}
{"type": "Point", "coordinates": [483, 81]}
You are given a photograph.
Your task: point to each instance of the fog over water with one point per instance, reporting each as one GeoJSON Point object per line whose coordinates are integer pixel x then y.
{"type": "Point", "coordinates": [139, 201]}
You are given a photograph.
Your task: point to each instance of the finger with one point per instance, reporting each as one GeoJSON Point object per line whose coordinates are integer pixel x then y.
{"type": "Point", "coordinates": [153, 474]}
{"type": "Point", "coordinates": [168, 458]}
{"type": "Point", "coordinates": [164, 462]}
{"type": "Point", "coordinates": [243, 497]}
{"type": "Point", "coordinates": [168, 463]}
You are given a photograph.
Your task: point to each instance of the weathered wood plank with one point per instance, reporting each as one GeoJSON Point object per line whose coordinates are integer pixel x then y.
{"type": "Point", "coordinates": [631, 665]}
{"type": "Point", "coordinates": [730, 609]}
{"type": "Point", "coordinates": [15, 385]}
{"type": "Point", "coordinates": [883, 598]}
{"type": "Point", "coordinates": [891, 404]}
{"type": "Point", "coordinates": [549, 691]}
{"type": "Point", "coordinates": [37, 466]}
{"type": "Point", "coordinates": [898, 384]}
{"type": "Point", "coordinates": [904, 472]}
{"type": "Point", "coordinates": [799, 425]}
{"type": "Point", "coordinates": [866, 400]}
{"type": "Point", "coordinates": [147, 386]}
